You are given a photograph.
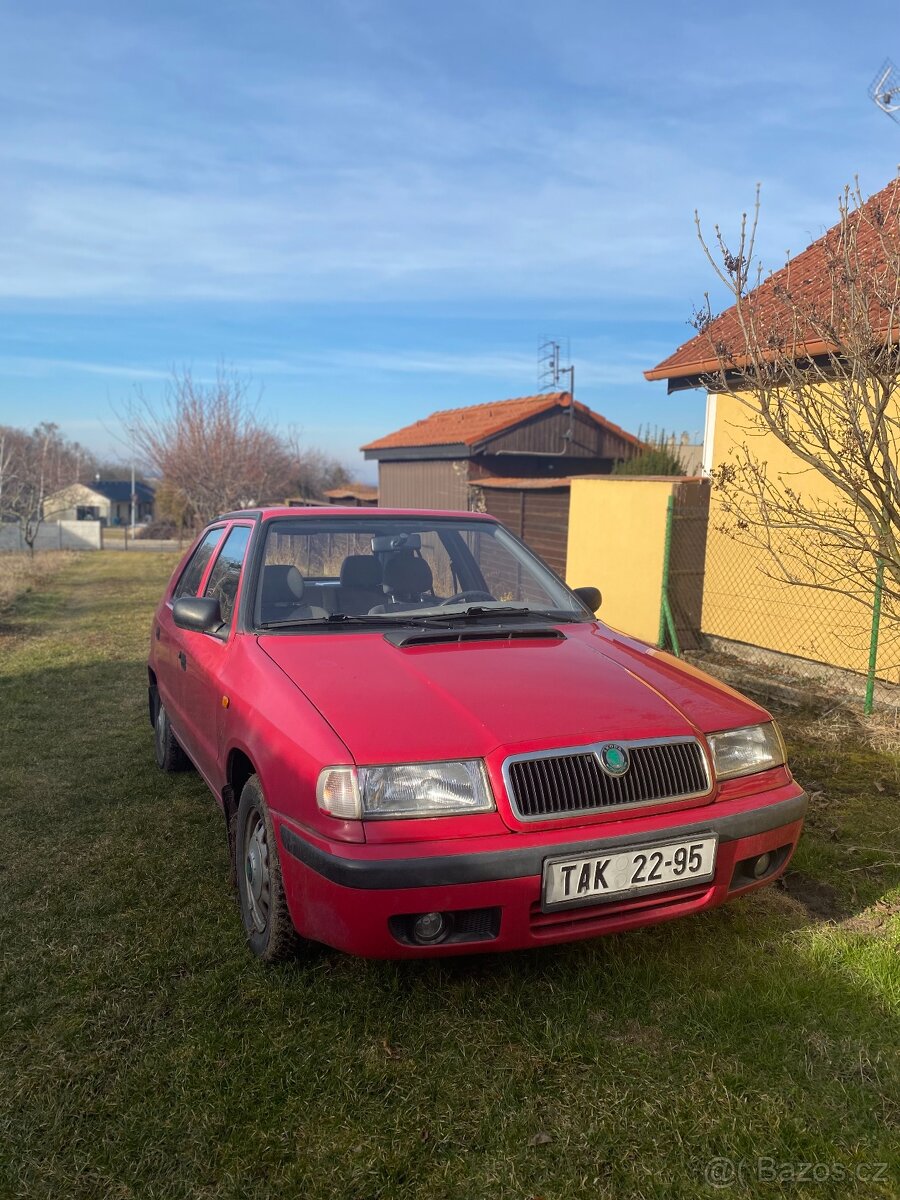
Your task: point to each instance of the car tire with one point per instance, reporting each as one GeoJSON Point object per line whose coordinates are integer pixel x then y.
{"type": "Point", "coordinates": [169, 754]}
{"type": "Point", "coordinates": [264, 912]}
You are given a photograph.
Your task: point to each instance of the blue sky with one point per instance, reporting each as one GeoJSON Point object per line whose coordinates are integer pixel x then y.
{"type": "Point", "coordinates": [376, 208]}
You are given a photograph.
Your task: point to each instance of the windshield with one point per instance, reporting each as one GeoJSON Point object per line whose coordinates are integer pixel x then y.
{"type": "Point", "coordinates": [393, 569]}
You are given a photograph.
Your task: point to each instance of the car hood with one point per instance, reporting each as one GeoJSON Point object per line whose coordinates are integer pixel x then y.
{"type": "Point", "coordinates": [463, 700]}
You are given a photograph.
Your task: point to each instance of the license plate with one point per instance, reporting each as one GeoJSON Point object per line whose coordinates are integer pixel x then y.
{"type": "Point", "coordinates": [661, 867]}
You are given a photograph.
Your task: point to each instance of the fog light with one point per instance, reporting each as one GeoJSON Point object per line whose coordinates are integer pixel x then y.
{"type": "Point", "coordinates": [761, 865]}
{"type": "Point", "coordinates": [430, 927]}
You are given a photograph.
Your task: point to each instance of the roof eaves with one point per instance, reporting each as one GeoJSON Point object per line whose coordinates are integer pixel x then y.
{"type": "Point", "coordinates": [425, 451]}
{"type": "Point", "coordinates": [712, 366]}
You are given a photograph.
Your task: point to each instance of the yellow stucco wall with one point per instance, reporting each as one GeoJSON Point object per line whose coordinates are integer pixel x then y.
{"type": "Point", "coordinates": [741, 602]}
{"type": "Point", "coordinates": [616, 541]}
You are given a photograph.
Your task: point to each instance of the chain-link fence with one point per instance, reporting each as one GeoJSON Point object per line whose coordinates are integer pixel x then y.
{"type": "Point", "coordinates": [725, 593]}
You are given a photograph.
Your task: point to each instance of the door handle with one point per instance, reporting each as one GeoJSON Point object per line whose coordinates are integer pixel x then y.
{"type": "Point", "coordinates": [182, 658]}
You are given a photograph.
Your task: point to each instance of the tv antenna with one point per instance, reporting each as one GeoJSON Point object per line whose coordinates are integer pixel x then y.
{"type": "Point", "coordinates": [885, 90]}
{"type": "Point", "coordinates": [550, 371]}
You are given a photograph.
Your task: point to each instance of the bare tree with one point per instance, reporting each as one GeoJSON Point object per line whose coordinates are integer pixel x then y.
{"type": "Point", "coordinates": [32, 467]}
{"type": "Point", "coordinates": [6, 466]}
{"type": "Point", "coordinates": [209, 446]}
{"type": "Point", "coordinates": [213, 452]}
{"type": "Point", "coordinates": [313, 471]}
{"type": "Point", "coordinates": [811, 353]}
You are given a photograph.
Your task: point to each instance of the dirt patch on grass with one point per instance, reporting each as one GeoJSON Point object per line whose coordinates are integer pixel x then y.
{"type": "Point", "coordinates": [873, 920]}
{"type": "Point", "coordinates": [820, 900]}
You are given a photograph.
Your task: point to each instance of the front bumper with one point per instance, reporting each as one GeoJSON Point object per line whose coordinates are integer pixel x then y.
{"type": "Point", "coordinates": [349, 896]}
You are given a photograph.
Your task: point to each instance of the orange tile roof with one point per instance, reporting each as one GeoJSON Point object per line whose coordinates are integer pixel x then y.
{"type": "Point", "coordinates": [358, 491]}
{"type": "Point", "coordinates": [471, 425]}
{"type": "Point", "coordinates": [809, 280]}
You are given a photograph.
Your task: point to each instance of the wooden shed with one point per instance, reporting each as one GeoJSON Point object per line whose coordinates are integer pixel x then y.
{"type": "Point", "coordinates": [430, 463]}
{"type": "Point", "coordinates": [536, 510]}
{"type": "Point", "coordinates": [511, 458]}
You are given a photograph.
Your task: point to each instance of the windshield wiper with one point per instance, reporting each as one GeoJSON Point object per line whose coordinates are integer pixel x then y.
{"type": "Point", "coordinates": [335, 619]}
{"type": "Point", "coordinates": [478, 612]}
{"type": "Point", "coordinates": [474, 612]}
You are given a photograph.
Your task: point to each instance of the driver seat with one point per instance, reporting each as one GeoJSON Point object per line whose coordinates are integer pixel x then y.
{"type": "Point", "coordinates": [408, 582]}
{"type": "Point", "coordinates": [360, 583]}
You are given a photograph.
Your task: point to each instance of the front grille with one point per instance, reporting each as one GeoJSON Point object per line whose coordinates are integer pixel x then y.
{"type": "Point", "coordinates": [563, 784]}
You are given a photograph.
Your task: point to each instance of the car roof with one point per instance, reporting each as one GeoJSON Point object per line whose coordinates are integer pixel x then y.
{"type": "Point", "coordinates": [351, 510]}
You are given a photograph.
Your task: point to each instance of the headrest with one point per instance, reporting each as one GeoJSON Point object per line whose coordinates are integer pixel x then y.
{"type": "Point", "coordinates": [282, 583]}
{"type": "Point", "coordinates": [405, 574]}
{"type": "Point", "coordinates": [361, 570]}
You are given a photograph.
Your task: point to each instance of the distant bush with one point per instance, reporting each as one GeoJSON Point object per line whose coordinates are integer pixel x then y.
{"type": "Point", "coordinates": [162, 530]}
{"type": "Point", "coordinates": [653, 460]}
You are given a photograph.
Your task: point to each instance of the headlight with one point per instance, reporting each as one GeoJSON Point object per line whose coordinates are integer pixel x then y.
{"type": "Point", "coordinates": [425, 789]}
{"type": "Point", "coordinates": [406, 790]}
{"type": "Point", "coordinates": [745, 751]}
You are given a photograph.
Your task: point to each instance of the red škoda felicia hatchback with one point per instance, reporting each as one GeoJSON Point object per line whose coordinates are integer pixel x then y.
{"type": "Point", "coordinates": [424, 743]}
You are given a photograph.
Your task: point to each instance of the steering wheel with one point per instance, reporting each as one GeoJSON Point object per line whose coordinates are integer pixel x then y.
{"type": "Point", "coordinates": [473, 594]}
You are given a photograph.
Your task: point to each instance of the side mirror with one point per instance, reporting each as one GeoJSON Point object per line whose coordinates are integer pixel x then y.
{"type": "Point", "coordinates": [201, 614]}
{"type": "Point", "coordinates": [590, 597]}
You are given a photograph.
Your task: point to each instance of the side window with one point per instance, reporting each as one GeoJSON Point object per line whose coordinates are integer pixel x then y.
{"type": "Point", "coordinates": [226, 573]}
{"type": "Point", "coordinates": [189, 583]}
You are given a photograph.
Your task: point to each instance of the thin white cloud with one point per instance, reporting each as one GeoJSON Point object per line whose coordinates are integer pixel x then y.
{"type": "Point", "coordinates": [30, 366]}
{"type": "Point", "coordinates": [518, 370]}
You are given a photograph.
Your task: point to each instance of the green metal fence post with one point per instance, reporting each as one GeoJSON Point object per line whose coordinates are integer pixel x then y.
{"type": "Point", "coordinates": [666, 620]}
{"type": "Point", "coordinates": [873, 643]}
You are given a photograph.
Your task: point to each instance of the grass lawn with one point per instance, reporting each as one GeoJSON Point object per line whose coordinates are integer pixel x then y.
{"type": "Point", "coordinates": [144, 1053]}
{"type": "Point", "coordinates": [22, 572]}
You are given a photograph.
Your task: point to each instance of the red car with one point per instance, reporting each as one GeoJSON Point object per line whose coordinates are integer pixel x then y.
{"type": "Point", "coordinates": [424, 743]}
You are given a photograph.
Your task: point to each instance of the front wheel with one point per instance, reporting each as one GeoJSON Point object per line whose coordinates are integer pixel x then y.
{"type": "Point", "coordinates": [267, 923]}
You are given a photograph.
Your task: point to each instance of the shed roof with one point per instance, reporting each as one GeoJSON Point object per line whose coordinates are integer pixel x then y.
{"type": "Point", "coordinates": [504, 483]}
{"type": "Point", "coordinates": [353, 491]}
{"type": "Point", "coordinates": [477, 423]}
{"type": "Point", "coordinates": [119, 490]}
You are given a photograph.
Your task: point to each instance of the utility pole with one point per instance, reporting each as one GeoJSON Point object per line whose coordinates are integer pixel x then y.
{"type": "Point", "coordinates": [133, 498]}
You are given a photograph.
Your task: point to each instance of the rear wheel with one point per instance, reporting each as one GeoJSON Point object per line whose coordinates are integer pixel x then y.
{"type": "Point", "coordinates": [267, 923]}
{"type": "Point", "coordinates": [169, 754]}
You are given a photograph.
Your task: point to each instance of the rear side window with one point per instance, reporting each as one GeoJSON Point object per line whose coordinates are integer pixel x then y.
{"type": "Point", "coordinates": [189, 583]}
{"type": "Point", "coordinates": [226, 573]}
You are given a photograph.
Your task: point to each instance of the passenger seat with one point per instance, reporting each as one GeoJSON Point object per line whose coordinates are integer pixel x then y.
{"type": "Point", "coordinates": [282, 595]}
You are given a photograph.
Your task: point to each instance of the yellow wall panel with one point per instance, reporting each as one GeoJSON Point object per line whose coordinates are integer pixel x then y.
{"type": "Point", "coordinates": [616, 539]}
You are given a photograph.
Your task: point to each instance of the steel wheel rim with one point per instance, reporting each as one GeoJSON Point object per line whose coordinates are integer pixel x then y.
{"type": "Point", "coordinates": [161, 731]}
{"type": "Point", "coordinates": [256, 876]}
